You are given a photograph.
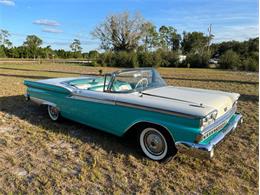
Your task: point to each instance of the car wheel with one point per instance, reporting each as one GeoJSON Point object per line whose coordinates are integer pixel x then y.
{"type": "Point", "coordinates": [54, 113]}
{"type": "Point", "coordinates": [157, 144]}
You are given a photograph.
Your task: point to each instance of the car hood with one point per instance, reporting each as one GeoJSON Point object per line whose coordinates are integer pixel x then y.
{"type": "Point", "coordinates": [194, 97]}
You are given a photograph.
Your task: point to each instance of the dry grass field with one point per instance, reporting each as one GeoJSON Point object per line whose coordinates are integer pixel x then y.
{"type": "Point", "coordinates": [39, 156]}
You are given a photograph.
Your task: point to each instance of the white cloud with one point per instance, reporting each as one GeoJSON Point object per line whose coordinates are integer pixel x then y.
{"type": "Point", "coordinates": [238, 33]}
{"type": "Point", "coordinates": [66, 43]}
{"type": "Point", "coordinates": [46, 22]}
{"type": "Point", "coordinates": [7, 2]}
{"type": "Point", "coordinates": [57, 43]}
{"type": "Point", "coordinates": [52, 30]}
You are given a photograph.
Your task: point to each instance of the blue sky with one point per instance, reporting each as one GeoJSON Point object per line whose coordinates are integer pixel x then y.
{"type": "Point", "coordinates": [58, 22]}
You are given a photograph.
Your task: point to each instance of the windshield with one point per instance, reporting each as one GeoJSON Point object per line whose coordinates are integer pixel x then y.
{"type": "Point", "coordinates": [136, 80]}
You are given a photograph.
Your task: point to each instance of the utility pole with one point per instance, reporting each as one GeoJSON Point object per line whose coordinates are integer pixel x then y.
{"type": "Point", "coordinates": [209, 31]}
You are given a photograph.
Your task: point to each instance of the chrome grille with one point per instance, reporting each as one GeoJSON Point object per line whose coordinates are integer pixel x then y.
{"type": "Point", "coordinates": [219, 123]}
{"type": "Point", "coordinates": [214, 130]}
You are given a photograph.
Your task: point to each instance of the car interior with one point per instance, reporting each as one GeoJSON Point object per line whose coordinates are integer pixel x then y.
{"type": "Point", "coordinates": [97, 84]}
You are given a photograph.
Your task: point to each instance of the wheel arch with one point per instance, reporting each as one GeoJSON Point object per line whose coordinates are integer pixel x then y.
{"type": "Point", "coordinates": [134, 128]}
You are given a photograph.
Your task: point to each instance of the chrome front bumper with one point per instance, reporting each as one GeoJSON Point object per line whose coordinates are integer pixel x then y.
{"type": "Point", "coordinates": [207, 150]}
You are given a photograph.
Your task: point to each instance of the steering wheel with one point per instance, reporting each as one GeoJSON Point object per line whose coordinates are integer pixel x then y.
{"type": "Point", "coordinates": [142, 81]}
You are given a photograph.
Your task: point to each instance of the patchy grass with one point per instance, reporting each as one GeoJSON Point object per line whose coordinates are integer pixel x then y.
{"type": "Point", "coordinates": [39, 156]}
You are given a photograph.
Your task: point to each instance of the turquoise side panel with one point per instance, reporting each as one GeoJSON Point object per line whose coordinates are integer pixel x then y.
{"type": "Point", "coordinates": [117, 119]}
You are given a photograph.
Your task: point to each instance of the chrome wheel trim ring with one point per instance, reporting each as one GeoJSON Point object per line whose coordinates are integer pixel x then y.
{"type": "Point", "coordinates": [53, 112]}
{"type": "Point", "coordinates": [153, 143]}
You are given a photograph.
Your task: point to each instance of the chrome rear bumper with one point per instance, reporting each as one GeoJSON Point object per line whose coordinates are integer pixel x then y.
{"type": "Point", "coordinates": [27, 97]}
{"type": "Point", "coordinates": [207, 150]}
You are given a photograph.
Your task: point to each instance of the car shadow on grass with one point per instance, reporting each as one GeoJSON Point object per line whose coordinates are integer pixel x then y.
{"type": "Point", "coordinates": [38, 116]}
{"type": "Point", "coordinates": [249, 98]}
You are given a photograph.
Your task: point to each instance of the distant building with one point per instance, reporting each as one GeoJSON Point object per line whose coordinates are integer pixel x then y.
{"type": "Point", "coordinates": [213, 61]}
{"type": "Point", "coordinates": [182, 58]}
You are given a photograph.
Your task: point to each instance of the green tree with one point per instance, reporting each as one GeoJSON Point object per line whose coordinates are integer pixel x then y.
{"type": "Point", "coordinates": [195, 42]}
{"type": "Point", "coordinates": [245, 49]}
{"type": "Point", "coordinates": [4, 34]}
{"type": "Point", "coordinates": [32, 44]}
{"type": "Point", "coordinates": [2, 51]}
{"type": "Point", "coordinates": [61, 53]}
{"type": "Point", "coordinates": [169, 38]}
{"type": "Point", "coordinates": [48, 53]}
{"type": "Point", "coordinates": [76, 48]}
{"type": "Point", "coordinates": [14, 51]}
{"type": "Point", "coordinates": [150, 37]}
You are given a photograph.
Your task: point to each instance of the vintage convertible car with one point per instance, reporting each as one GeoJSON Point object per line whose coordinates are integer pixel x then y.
{"type": "Point", "coordinates": [165, 118]}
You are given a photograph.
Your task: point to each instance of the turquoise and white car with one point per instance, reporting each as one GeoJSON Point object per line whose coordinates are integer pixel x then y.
{"type": "Point", "coordinates": [165, 118]}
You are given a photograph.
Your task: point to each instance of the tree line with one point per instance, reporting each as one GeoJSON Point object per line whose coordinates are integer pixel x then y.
{"type": "Point", "coordinates": [131, 41]}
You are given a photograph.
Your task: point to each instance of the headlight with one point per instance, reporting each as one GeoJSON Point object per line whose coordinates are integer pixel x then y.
{"type": "Point", "coordinates": [234, 104]}
{"type": "Point", "coordinates": [209, 119]}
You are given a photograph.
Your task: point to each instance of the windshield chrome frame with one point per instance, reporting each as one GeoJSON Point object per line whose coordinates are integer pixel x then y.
{"type": "Point", "coordinates": [115, 74]}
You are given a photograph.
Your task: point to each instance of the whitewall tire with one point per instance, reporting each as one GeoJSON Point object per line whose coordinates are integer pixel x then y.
{"type": "Point", "coordinates": [156, 145]}
{"type": "Point", "coordinates": [54, 113]}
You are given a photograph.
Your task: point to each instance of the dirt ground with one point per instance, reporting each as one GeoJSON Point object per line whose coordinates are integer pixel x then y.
{"type": "Point", "coordinates": [39, 156]}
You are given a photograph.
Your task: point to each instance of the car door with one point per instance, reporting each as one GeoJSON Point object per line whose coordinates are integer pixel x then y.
{"type": "Point", "coordinates": [94, 108]}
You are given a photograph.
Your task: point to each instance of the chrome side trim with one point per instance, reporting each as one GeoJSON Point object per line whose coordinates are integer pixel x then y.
{"type": "Point", "coordinates": [206, 150]}
{"type": "Point", "coordinates": [42, 102]}
{"type": "Point", "coordinates": [152, 109]}
{"type": "Point", "coordinates": [130, 105]}
{"type": "Point", "coordinates": [91, 99]}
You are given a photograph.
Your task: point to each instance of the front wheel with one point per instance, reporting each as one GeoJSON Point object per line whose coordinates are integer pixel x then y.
{"type": "Point", "coordinates": [54, 113]}
{"type": "Point", "coordinates": [157, 144]}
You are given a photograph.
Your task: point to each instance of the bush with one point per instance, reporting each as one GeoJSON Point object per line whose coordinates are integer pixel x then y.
{"type": "Point", "coordinates": [158, 58]}
{"type": "Point", "coordinates": [93, 54]}
{"type": "Point", "coordinates": [105, 59]}
{"type": "Point", "coordinates": [169, 59]}
{"type": "Point", "coordinates": [146, 59]}
{"type": "Point", "coordinates": [124, 59]}
{"type": "Point", "coordinates": [197, 60]}
{"type": "Point", "coordinates": [161, 58]}
{"type": "Point", "coordinates": [136, 59]}
{"type": "Point", "coordinates": [118, 59]}
{"type": "Point", "coordinates": [2, 52]}
{"type": "Point", "coordinates": [250, 64]}
{"type": "Point", "coordinates": [230, 60]}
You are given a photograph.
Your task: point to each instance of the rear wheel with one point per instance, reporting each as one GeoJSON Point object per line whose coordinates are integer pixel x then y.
{"type": "Point", "coordinates": [157, 144]}
{"type": "Point", "coordinates": [54, 113]}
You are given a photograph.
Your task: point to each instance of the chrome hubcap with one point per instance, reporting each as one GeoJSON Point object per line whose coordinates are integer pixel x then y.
{"type": "Point", "coordinates": [154, 143]}
{"type": "Point", "coordinates": [54, 112]}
